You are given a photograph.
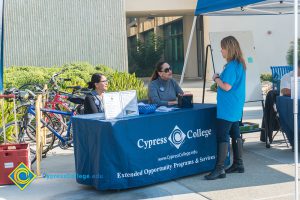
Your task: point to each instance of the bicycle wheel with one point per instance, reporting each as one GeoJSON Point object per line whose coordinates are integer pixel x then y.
{"type": "Point", "coordinates": [28, 135]}
{"type": "Point", "coordinates": [49, 121]}
{"type": "Point", "coordinates": [26, 118]}
{"type": "Point", "coordinates": [58, 122]}
{"type": "Point", "coordinates": [34, 87]}
{"type": "Point", "coordinates": [47, 147]}
{"type": "Point", "coordinates": [50, 138]}
{"type": "Point", "coordinates": [29, 119]}
{"type": "Point", "coordinates": [30, 131]}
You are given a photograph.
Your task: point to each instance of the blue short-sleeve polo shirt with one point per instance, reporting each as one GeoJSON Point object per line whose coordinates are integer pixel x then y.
{"type": "Point", "coordinates": [230, 103]}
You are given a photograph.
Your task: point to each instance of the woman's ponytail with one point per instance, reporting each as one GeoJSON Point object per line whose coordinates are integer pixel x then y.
{"type": "Point", "coordinates": [96, 78]}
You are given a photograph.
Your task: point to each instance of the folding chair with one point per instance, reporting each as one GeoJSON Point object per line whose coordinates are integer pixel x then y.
{"type": "Point", "coordinates": [277, 73]}
{"type": "Point", "coordinates": [280, 129]}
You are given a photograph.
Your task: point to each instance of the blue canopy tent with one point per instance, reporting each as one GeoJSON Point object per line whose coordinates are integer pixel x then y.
{"type": "Point", "coordinates": [1, 57]}
{"type": "Point", "coordinates": [237, 7]}
{"type": "Point", "coordinates": [244, 7]}
{"type": "Point", "coordinates": [2, 44]}
{"type": "Point", "coordinates": [255, 7]}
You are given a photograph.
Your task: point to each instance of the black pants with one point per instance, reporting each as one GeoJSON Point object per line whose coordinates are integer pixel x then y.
{"type": "Point", "coordinates": [225, 129]}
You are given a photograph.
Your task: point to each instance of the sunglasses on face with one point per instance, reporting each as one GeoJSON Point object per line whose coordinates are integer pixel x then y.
{"type": "Point", "coordinates": [167, 70]}
{"type": "Point", "coordinates": [104, 81]}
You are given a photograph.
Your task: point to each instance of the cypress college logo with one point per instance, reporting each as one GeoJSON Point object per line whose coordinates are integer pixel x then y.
{"type": "Point", "coordinates": [177, 137]}
{"type": "Point", "coordinates": [22, 176]}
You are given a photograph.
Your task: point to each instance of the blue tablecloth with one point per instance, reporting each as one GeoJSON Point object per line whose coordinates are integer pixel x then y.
{"type": "Point", "coordinates": [145, 149]}
{"type": "Point", "coordinates": [286, 116]}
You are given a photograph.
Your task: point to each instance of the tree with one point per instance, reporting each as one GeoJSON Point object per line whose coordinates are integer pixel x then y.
{"type": "Point", "coordinates": [290, 53]}
{"type": "Point", "coordinates": [146, 54]}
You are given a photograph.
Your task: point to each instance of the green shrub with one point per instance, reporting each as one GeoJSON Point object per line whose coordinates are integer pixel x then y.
{"type": "Point", "coordinates": [125, 81]}
{"type": "Point", "coordinates": [266, 77]}
{"type": "Point", "coordinates": [79, 73]}
{"type": "Point", "coordinates": [17, 76]}
{"type": "Point", "coordinates": [214, 87]}
{"type": "Point", "coordinates": [8, 117]}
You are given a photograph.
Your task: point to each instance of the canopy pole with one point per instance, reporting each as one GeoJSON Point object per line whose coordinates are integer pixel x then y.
{"type": "Point", "coordinates": [188, 50]}
{"type": "Point", "coordinates": [2, 50]}
{"type": "Point", "coordinates": [296, 98]}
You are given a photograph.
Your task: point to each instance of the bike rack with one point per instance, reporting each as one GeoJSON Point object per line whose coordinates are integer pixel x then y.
{"type": "Point", "coordinates": [40, 133]}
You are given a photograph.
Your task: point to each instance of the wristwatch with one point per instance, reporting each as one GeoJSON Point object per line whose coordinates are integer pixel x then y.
{"type": "Point", "coordinates": [216, 78]}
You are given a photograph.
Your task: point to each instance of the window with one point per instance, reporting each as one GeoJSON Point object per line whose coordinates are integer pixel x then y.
{"type": "Point", "coordinates": [174, 51]}
{"type": "Point", "coordinates": [131, 19]}
{"type": "Point", "coordinates": [132, 42]}
{"type": "Point", "coordinates": [131, 48]}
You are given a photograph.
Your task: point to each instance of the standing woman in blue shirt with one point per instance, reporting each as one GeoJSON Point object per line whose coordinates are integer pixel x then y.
{"type": "Point", "coordinates": [230, 102]}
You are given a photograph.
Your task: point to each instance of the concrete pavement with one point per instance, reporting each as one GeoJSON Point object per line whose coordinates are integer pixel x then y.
{"type": "Point", "coordinates": [269, 174]}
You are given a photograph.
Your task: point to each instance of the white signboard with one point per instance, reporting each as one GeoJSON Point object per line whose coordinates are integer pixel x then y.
{"type": "Point", "coordinates": [112, 105]}
{"type": "Point", "coordinates": [120, 104]}
{"type": "Point", "coordinates": [245, 38]}
{"type": "Point", "coordinates": [129, 103]}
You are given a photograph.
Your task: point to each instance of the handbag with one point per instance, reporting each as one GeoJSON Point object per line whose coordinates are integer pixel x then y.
{"type": "Point", "coordinates": [185, 100]}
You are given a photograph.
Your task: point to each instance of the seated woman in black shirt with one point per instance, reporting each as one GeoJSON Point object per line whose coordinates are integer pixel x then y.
{"type": "Point", "coordinates": [93, 102]}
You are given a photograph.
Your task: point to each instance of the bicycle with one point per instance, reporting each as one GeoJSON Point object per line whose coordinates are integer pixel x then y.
{"type": "Point", "coordinates": [27, 130]}
{"type": "Point", "coordinates": [58, 99]}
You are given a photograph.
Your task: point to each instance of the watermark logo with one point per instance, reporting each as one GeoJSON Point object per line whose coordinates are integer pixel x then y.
{"type": "Point", "coordinates": [177, 137]}
{"type": "Point", "coordinates": [22, 176]}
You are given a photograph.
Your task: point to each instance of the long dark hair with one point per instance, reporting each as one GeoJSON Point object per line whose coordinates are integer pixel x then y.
{"type": "Point", "coordinates": [158, 68]}
{"type": "Point", "coordinates": [233, 48]}
{"type": "Point", "coordinates": [96, 78]}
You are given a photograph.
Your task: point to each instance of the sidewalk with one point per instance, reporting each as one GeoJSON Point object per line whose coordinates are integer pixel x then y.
{"type": "Point", "coordinates": [269, 174]}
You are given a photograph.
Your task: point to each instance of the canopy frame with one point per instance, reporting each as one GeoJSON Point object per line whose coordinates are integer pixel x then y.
{"type": "Point", "coordinates": [258, 7]}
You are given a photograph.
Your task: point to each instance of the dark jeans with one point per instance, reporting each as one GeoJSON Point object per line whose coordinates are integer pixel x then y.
{"type": "Point", "coordinates": [226, 129]}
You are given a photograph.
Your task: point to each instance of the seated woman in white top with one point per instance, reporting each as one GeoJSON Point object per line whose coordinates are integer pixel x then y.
{"type": "Point", "coordinates": [285, 82]}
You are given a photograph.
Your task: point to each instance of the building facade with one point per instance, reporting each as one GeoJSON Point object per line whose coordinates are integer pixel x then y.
{"type": "Point", "coordinates": [175, 32]}
{"type": "Point", "coordinates": [47, 33]}
{"type": "Point", "coordinates": [272, 34]}
{"type": "Point", "coordinates": [172, 20]}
